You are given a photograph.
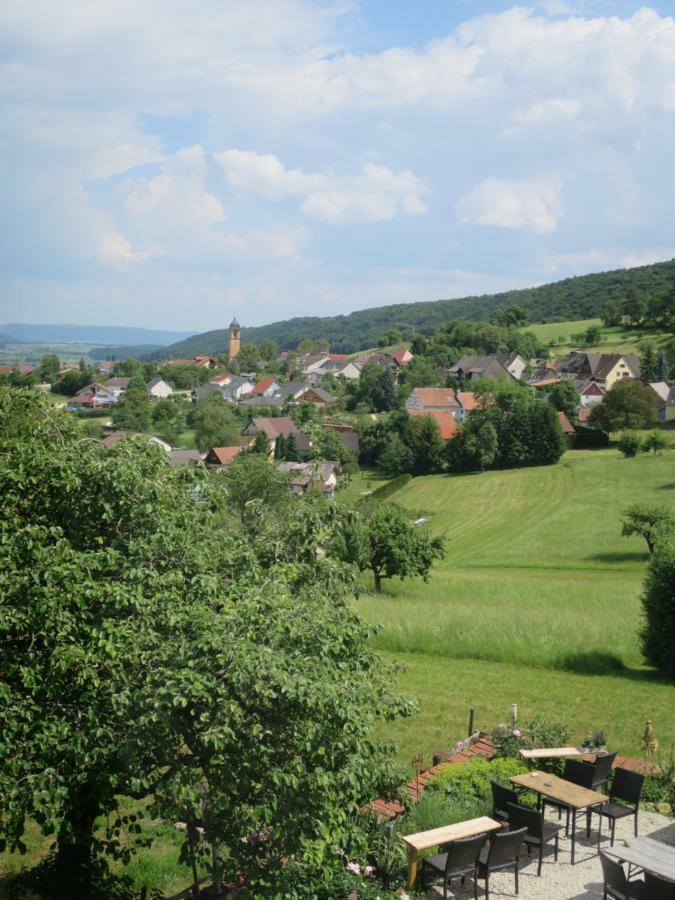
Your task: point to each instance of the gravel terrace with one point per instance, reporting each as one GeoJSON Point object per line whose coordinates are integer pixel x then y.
{"type": "Point", "coordinates": [562, 881]}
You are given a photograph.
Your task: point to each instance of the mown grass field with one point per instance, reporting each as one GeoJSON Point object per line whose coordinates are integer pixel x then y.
{"type": "Point", "coordinates": [614, 339]}
{"type": "Point", "coordinates": [536, 602]}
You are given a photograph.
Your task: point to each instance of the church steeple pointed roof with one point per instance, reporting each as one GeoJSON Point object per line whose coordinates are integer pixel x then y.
{"type": "Point", "coordinates": [234, 323]}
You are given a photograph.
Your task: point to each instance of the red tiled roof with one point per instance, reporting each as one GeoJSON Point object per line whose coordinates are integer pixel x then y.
{"type": "Point", "coordinates": [263, 385]}
{"type": "Point", "coordinates": [443, 418]}
{"type": "Point", "coordinates": [467, 399]}
{"type": "Point", "coordinates": [224, 455]}
{"type": "Point", "coordinates": [338, 357]}
{"type": "Point", "coordinates": [438, 397]}
{"type": "Point", "coordinates": [545, 382]}
{"type": "Point", "coordinates": [402, 355]}
{"type": "Point", "coordinates": [567, 426]}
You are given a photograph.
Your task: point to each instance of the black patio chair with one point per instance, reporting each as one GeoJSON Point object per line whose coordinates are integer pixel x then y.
{"type": "Point", "coordinates": [603, 770]}
{"type": "Point", "coordinates": [502, 853]}
{"type": "Point", "coordinates": [539, 832]}
{"type": "Point", "coordinates": [580, 773]}
{"type": "Point", "coordinates": [616, 884]}
{"type": "Point", "coordinates": [460, 860]}
{"type": "Point", "coordinates": [624, 800]}
{"type": "Point", "coordinates": [658, 888]}
{"type": "Point", "coordinates": [501, 797]}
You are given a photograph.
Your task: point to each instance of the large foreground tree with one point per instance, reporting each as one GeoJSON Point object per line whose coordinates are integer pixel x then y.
{"type": "Point", "coordinates": [148, 649]}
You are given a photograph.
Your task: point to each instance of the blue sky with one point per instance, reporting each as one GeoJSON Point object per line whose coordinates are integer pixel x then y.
{"type": "Point", "coordinates": [170, 165]}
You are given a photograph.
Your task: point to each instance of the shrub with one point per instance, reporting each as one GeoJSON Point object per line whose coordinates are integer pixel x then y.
{"type": "Point", "coordinates": [629, 443]}
{"type": "Point", "coordinates": [658, 604]}
{"type": "Point", "coordinates": [471, 781]}
{"type": "Point", "coordinates": [386, 490]}
{"type": "Point", "coordinates": [509, 739]}
{"type": "Point", "coordinates": [436, 809]}
{"type": "Point", "coordinates": [656, 441]}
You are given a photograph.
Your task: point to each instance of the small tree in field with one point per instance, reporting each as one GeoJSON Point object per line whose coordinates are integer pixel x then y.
{"type": "Point", "coordinates": [389, 546]}
{"type": "Point", "coordinates": [656, 441]}
{"type": "Point", "coordinates": [658, 604]}
{"type": "Point", "coordinates": [629, 443]}
{"type": "Point", "coordinates": [653, 523]}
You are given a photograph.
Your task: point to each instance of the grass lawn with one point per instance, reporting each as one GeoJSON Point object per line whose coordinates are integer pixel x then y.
{"type": "Point", "coordinates": [536, 603]}
{"type": "Point", "coordinates": [614, 339]}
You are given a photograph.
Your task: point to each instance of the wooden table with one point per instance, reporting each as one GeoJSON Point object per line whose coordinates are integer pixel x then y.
{"type": "Point", "coordinates": [425, 839]}
{"type": "Point", "coordinates": [550, 753]}
{"type": "Point", "coordinates": [648, 854]}
{"type": "Point", "coordinates": [562, 791]}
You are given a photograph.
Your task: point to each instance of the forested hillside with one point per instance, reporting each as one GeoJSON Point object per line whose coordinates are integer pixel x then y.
{"type": "Point", "coordinates": [574, 298]}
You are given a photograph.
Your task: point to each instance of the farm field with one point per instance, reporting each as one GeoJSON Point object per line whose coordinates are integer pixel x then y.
{"type": "Point", "coordinates": [614, 339]}
{"type": "Point", "coordinates": [536, 602]}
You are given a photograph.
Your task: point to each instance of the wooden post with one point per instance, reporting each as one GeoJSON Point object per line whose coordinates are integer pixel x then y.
{"type": "Point", "coordinates": [471, 712]}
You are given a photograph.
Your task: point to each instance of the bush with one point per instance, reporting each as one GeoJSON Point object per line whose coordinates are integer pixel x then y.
{"type": "Point", "coordinates": [658, 604]}
{"type": "Point", "coordinates": [386, 490]}
{"type": "Point", "coordinates": [471, 781]}
{"type": "Point", "coordinates": [586, 438]}
{"type": "Point", "coordinates": [435, 809]}
{"type": "Point", "coordinates": [509, 739]}
{"type": "Point", "coordinates": [629, 443]}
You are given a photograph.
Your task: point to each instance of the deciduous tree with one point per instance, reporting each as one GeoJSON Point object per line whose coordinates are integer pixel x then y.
{"type": "Point", "coordinates": [652, 522]}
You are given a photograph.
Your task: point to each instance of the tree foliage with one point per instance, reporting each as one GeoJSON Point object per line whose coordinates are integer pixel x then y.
{"type": "Point", "coordinates": [153, 649]}
{"type": "Point", "coordinates": [387, 544]}
{"type": "Point", "coordinates": [658, 604]}
{"type": "Point", "coordinates": [565, 397]}
{"type": "Point", "coordinates": [215, 423]}
{"type": "Point", "coordinates": [652, 522]}
{"type": "Point", "coordinates": [573, 298]}
{"type": "Point", "coordinates": [627, 404]}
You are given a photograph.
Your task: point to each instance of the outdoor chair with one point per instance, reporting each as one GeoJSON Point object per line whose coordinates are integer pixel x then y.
{"type": "Point", "coordinates": [539, 832]}
{"type": "Point", "coordinates": [501, 797]}
{"type": "Point", "coordinates": [624, 800]}
{"type": "Point", "coordinates": [616, 884]}
{"type": "Point", "coordinates": [658, 888]}
{"type": "Point", "coordinates": [460, 860]}
{"type": "Point", "coordinates": [502, 853]}
{"type": "Point", "coordinates": [578, 773]}
{"type": "Point", "coordinates": [603, 770]}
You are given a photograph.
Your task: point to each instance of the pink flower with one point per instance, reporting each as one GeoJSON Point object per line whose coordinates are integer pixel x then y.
{"type": "Point", "coordinates": [516, 732]}
{"type": "Point", "coordinates": [354, 867]}
{"type": "Point", "coordinates": [368, 871]}
{"type": "Point", "coordinates": [459, 745]}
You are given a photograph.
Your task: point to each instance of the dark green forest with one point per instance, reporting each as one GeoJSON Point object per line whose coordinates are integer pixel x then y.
{"type": "Point", "coordinates": [582, 297]}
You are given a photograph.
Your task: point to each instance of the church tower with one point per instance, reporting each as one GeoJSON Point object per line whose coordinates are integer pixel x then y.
{"type": "Point", "coordinates": [235, 340]}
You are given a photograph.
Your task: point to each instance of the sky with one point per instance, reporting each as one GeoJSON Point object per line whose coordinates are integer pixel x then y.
{"type": "Point", "coordinates": [170, 164]}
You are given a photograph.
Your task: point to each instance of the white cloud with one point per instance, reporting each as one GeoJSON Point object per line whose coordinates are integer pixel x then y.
{"type": "Point", "coordinates": [115, 248]}
{"type": "Point", "coordinates": [375, 195]}
{"type": "Point", "coordinates": [533, 205]}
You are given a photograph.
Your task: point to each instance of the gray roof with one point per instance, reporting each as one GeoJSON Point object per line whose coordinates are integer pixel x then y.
{"type": "Point", "coordinates": [184, 457]}
{"type": "Point", "coordinates": [234, 323]}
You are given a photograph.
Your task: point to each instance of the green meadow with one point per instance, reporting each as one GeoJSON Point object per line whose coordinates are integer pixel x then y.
{"type": "Point", "coordinates": [537, 602]}
{"type": "Point", "coordinates": [613, 339]}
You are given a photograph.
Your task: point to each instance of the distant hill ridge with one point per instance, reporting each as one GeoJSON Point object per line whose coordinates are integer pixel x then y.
{"type": "Point", "coordinates": [92, 334]}
{"type": "Point", "coordinates": [582, 297]}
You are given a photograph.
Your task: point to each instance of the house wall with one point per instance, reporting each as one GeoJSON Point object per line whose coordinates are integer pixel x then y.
{"type": "Point", "coordinates": [620, 370]}
{"type": "Point", "coordinates": [161, 391]}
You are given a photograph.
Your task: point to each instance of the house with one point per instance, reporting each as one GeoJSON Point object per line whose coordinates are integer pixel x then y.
{"type": "Point", "coordinates": [104, 368]}
{"type": "Point", "coordinates": [280, 426]}
{"type": "Point", "coordinates": [402, 356]}
{"type": "Point", "coordinates": [266, 387]}
{"type": "Point", "coordinates": [249, 401]}
{"type": "Point", "coordinates": [471, 368]}
{"type": "Point", "coordinates": [184, 458]}
{"type": "Point", "coordinates": [318, 474]}
{"type": "Point", "coordinates": [350, 371]}
{"type": "Point", "coordinates": [666, 400]}
{"type": "Point", "coordinates": [116, 436]}
{"type": "Point", "coordinates": [433, 398]}
{"type": "Point", "coordinates": [223, 378]}
{"type": "Point", "coordinates": [232, 391]}
{"type": "Point", "coordinates": [317, 396]}
{"type": "Point", "coordinates": [468, 401]}
{"type": "Point", "coordinates": [348, 436]}
{"type": "Point", "coordinates": [590, 392]}
{"type": "Point", "coordinates": [443, 418]}
{"type": "Point", "coordinates": [117, 386]}
{"type": "Point", "coordinates": [513, 363]}
{"type": "Point", "coordinates": [290, 392]}
{"type": "Point", "coordinates": [175, 362]}
{"type": "Point", "coordinates": [604, 368]}
{"type": "Point", "coordinates": [221, 457]}
{"type": "Point", "coordinates": [204, 362]}
{"type": "Point", "coordinates": [159, 389]}
{"type": "Point", "coordinates": [568, 429]}
{"type": "Point", "coordinates": [93, 395]}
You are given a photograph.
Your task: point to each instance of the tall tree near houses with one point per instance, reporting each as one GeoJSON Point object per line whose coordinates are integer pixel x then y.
{"type": "Point", "coordinates": [662, 371]}
{"type": "Point", "coordinates": [648, 364]}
